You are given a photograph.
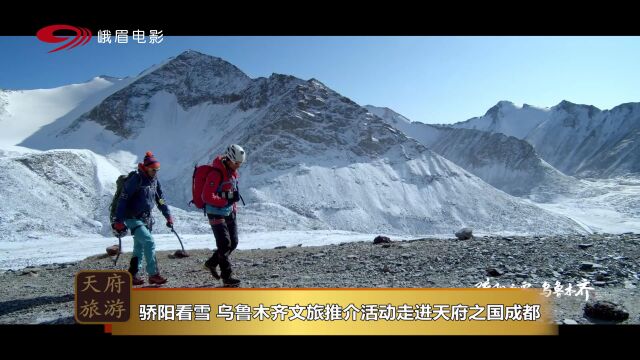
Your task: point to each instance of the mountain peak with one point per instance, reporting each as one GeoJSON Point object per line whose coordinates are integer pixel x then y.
{"type": "Point", "coordinates": [192, 52]}
{"type": "Point", "coordinates": [569, 107]}
{"type": "Point", "coordinates": [198, 61]}
{"type": "Point", "coordinates": [500, 108]}
{"type": "Point", "coordinates": [566, 103]}
{"type": "Point", "coordinates": [505, 104]}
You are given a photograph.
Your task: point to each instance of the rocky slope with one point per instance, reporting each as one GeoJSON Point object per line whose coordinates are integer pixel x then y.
{"type": "Point", "coordinates": [609, 262]}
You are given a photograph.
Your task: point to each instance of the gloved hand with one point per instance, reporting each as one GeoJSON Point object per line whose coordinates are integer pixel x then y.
{"type": "Point", "coordinates": [232, 197]}
{"type": "Point", "coordinates": [119, 229]}
{"type": "Point", "coordinates": [170, 222]}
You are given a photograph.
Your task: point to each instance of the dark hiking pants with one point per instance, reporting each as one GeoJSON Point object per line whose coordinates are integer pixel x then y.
{"type": "Point", "coordinates": [226, 232]}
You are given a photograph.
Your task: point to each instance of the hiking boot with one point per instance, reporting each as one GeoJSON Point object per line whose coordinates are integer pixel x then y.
{"type": "Point", "coordinates": [133, 269]}
{"type": "Point", "coordinates": [157, 279]}
{"type": "Point", "coordinates": [231, 282]}
{"type": "Point", "coordinates": [211, 265]}
{"type": "Point", "coordinates": [137, 280]}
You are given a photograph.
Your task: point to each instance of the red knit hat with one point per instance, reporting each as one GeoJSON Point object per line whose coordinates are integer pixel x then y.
{"type": "Point", "coordinates": [150, 161]}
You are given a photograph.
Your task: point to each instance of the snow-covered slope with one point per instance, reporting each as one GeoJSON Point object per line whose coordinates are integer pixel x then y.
{"type": "Point", "coordinates": [56, 192]}
{"type": "Point", "coordinates": [585, 141]}
{"type": "Point", "coordinates": [576, 139]}
{"type": "Point", "coordinates": [601, 205]}
{"type": "Point", "coordinates": [508, 118]}
{"type": "Point", "coordinates": [315, 160]}
{"type": "Point", "coordinates": [505, 162]}
{"type": "Point", "coordinates": [64, 193]}
{"type": "Point", "coordinates": [24, 112]}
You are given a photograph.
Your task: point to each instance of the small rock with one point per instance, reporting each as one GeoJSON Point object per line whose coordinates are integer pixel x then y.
{"type": "Point", "coordinates": [386, 269]}
{"type": "Point", "coordinates": [381, 240]}
{"type": "Point", "coordinates": [300, 245]}
{"type": "Point", "coordinates": [352, 257]}
{"type": "Point", "coordinates": [31, 271]}
{"type": "Point", "coordinates": [319, 255]}
{"type": "Point", "coordinates": [280, 247]}
{"type": "Point", "coordinates": [588, 266]}
{"type": "Point", "coordinates": [386, 246]}
{"type": "Point", "coordinates": [113, 250]}
{"type": "Point", "coordinates": [494, 272]}
{"type": "Point", "coordinates": [406, 256]}
{"type": "Point", "coordinates": [599, 283]}
{"type": "Point", "coordinates": [507, 239]}
{"type": "Point", "coordinates": [606, 310]}
{"type": "Point", "coordinates": [584, 246]}
{"type": "Point", "coordinates": [569, 322]}
{"type": "Point", "coordinates": [464, 234]}
{"type": "Point", "coordinates": [273, 276]}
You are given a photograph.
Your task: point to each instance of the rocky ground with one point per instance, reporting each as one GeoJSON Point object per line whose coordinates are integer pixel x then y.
{"type": "Point", "coordinates": [610, 262]}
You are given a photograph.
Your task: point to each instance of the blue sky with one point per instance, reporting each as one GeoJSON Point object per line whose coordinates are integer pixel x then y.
{"type": "Point", "coordinates": [428, 79]}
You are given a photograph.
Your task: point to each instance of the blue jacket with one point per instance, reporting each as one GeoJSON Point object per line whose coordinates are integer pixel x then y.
{"type": "Point", "coordinates": [139, 193]}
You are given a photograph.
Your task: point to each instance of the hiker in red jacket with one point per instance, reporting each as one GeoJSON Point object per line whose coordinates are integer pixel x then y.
{"type": "Point", "coordinates": [220, 194]}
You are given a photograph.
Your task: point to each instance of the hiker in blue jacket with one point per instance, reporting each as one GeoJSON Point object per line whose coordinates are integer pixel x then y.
{"type": "Point", "coordinates": [140, 193]}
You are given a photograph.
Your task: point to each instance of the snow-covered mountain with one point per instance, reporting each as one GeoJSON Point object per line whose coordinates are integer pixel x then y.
{"type": "Point", "coordinates": [316, 159]}
{"type": "Point", "coordinates": [23, 112]}
{"type": "Point", "coordinates": [576, 139]}
{"type": "Point", "coordinates": [505, 162]}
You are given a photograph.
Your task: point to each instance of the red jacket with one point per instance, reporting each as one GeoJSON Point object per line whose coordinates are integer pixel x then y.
{"type": "Point", "coordinates": [229, 183]}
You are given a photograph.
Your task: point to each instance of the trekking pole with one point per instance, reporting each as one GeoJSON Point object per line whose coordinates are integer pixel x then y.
{"type": "Point", "coordinates": [179, 253]}
{"type": "Point", "coordinates": [119, 250]}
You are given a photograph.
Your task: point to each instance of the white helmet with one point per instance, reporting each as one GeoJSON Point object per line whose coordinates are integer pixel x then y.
{"type": "Point", "coordinates": [235, 153]}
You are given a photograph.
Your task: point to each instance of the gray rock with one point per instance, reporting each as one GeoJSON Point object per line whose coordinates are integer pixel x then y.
{"type": "Point", "coordinates": [381, 240]}
{"type": "Point", "coordinates": [606, 310]}
{"type": "Point", "coordinates": [464, 234]}
{"type": "Point", "coordinates": [406, 256]}
{"type": "Point", "coordinates": [112, 250]}
{"type": "Point", "coordinates": [588, 266]}
{"type": "Point", "coordinates": [33, 271]}
{"type": "Point", "coordinates": [569, 322]}
{"type": "Point", "coordinates": [280, 247]}
{"type": "Point", "coordinates": [273, 276]}
{"type": "Point", "coordinates": [584, 246]}
{"type": "Point", "coordinates": [352, 257]}
{"type": "Point", "coordinates": [494, 272]}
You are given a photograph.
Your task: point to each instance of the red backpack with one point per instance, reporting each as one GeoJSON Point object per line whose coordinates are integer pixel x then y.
{"type": "Point", "coordinates": [200, 174]}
